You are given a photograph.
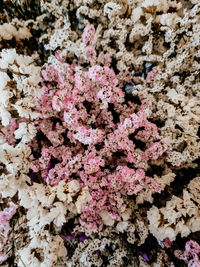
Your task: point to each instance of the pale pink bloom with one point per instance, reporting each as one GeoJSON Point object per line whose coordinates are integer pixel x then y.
{"type": "Point", "coordinates": [167, 243]}
{"type": "Point", "coordinates": [191, 254]}
{"type": "Point", "coordinates": [3, 257]}
{"type": "Point", "coordinates": [88, 34]}
{"type": "Point", "coordinates": [151, 76]}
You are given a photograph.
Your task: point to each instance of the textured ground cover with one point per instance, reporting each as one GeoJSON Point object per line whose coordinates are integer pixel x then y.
{"type": "Point", "coordinates": [99, 133]}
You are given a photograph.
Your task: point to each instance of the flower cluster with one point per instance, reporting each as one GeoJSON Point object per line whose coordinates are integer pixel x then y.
{"type": "Point", "coordinates": [100, 127]}
{"type": "Point", "coordinates": [191, 254]}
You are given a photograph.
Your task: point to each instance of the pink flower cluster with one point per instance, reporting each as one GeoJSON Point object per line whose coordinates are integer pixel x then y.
{"type": "Point", "coordinates": [191, 254]}
{"type": "Point", "coordinates": [88, 34]}
{"type": "Point", "coordinates": [5, 228]}
{"type": "Point", "coordinates": [88, 131]}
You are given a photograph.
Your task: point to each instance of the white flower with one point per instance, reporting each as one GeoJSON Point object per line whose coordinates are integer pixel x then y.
{"type": "Point", "coordinates": [84, 260]}
{"type": "Point", "coordinates": [4, 78]}
{"type": "Point", "coordinates": [3, 64]}
{"type": "Point", "coordinates": [136, 14]}
{"type": "Point", "coordinates": [59, 190]}
{"type": "Point", "coordinates": [25, 131]}
{"type": "Point", "coordinates": [112, 9]}
{"type": "Point", "coordinates": [57, 214]}
{"type": "Point", "coordinates": [25, 108]}
{"type": "Point", "coordinates": [8, 55]}
{"type": "Point", "coordinates": [73, 186]}
{"type": "Point", "coordinates": [7, 31]}
{"type": "Point", "coordinates": [122, 226]}
{"type": "Point", "coordinates": [23, 61]}
{"type": "Point", "coordinates": [5, 116]}
{"type": "Point", "coordinates": [82, 199]}
{"type": "Point", "coordinates": [8, 185]}
{"type": "Point", "coordinates": [27, 198]}
{"type": "Point", "coordinates": [44, 194]}
{"type": "Point", "coordinates": [49, 247]}
{"type": "Point", "coordinates": [15, 158]}
{"type": "Point", "coordinates": [126, 214]}
{"type": "Point", "coordinates": [107, 220]}
{"type": "Point", "coordinates": [148, 3]}
{"type": "Point", "coordinates": [5, 96]}
{"type": "Point", "coordinates": [26, 258]}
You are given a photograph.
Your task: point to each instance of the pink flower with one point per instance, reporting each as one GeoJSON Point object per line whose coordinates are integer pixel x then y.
{"type": "Point", "coordinates": [167, 243]}
{"type": "Point", "coordinates": [191, 254]}
{"type": "Point", "coordinates": [91, 53]}
{"type": "Point", "coordinates": [88, 34]}
{"type": "Point", "coordinates": [89, 133]}
{"type": "Point", "coordinates": [104, 59]}
{"type": "Point", "coordinates": [3, 257]}
{"type": "Point", "coordinates": [151, 76]}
